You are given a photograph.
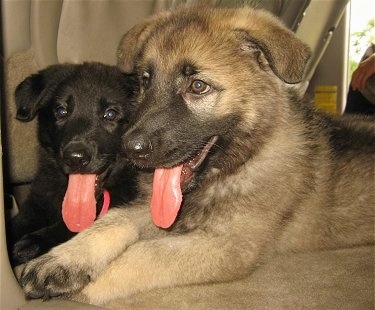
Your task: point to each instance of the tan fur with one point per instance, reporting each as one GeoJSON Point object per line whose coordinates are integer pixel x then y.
{"type": "Point", "coordinates": [288, 179]}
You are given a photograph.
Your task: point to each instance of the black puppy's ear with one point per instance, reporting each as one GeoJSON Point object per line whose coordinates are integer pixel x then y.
{"type": "Point", "coordinates": [28, 95]}
{"type": "Point", "coordinates": [35, 91]}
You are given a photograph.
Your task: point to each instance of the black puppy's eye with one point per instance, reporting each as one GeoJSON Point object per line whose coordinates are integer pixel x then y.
{"type": "Point", "coordinates": [199, 87]}
{"type": "Point", "coordinates": [110, 114]}
{"type": "Point", "coordinates": [61, 112]}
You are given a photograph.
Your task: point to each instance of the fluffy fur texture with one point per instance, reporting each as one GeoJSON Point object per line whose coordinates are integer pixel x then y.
{"type": "Point", "coordinates": [82, 112]}
{"type": "Point", "coordinates": [275, 176]}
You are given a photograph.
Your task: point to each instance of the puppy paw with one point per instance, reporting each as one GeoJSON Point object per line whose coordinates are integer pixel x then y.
{"type": "Point", "coordinates": [50, 276]}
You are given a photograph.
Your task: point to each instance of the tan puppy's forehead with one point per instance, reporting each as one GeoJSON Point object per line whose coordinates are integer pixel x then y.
{"type": "Point", "coordinates": [192, 45]}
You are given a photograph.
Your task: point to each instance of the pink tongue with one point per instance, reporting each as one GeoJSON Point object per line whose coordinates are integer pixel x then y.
{"type": "Point", "coordinates": [166, 196]}
{"type": "Point", "coordinates": [79, 205]}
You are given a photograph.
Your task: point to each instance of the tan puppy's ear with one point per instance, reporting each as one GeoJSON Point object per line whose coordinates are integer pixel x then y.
{"type": "Point", "coordinates": [129, 47]}
{"type": "Point", "coordinates": [131, 44]}
{"type": "Point", "coordinates": [287, 56]}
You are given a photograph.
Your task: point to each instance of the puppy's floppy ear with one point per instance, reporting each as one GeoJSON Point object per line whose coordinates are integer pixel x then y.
{"type": "Point", "coordinates": [35, 91]}
{"type": "Point", "coordinates": [132, 43]}
{"type": "Point", "coordinates": [287, 56]}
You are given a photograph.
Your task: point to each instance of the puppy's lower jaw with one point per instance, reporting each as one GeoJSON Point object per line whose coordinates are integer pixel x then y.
{"type": "Point", "coordinates": [193, 164]}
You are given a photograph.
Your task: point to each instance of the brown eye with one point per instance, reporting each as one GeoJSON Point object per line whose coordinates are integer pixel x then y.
{"type": "Point", "coordinates": [199, 87]}
{"type": "Point", "coordinates": [110, 115]}
{"type": "Point", "coordinates": [61, 112]}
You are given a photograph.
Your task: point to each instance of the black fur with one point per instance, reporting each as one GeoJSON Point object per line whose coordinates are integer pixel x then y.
{"type": "Point", "coordinates": [82, 112]}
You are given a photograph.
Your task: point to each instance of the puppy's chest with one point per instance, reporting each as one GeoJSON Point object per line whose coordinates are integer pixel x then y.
{"type": "Point", "coordinates": [222, 189]}
{"type": "Point", "coordinates": [206, 204]}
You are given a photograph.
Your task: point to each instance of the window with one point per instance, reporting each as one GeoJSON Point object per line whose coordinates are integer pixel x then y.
{"type": "Point", "coordinates": [362, 30]}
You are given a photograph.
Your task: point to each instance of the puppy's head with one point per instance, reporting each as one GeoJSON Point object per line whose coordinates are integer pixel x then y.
{"type": "Point", "coordinates": [207, 79]}
{"type": "Point", "coordinates": [82, 111]}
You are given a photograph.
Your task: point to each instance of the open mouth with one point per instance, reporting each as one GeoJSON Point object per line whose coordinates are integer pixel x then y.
{"type": "Point", "coordinates": [193, 164]}
{"type": "Point", "coordinates": [99, 180]}
{"type": "Point", "coordinates": [79, 207]}
{"type": "Point", "coordinates": [167, 187]}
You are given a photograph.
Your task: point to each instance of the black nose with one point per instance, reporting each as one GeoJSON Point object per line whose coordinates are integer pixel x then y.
{"type": "Point", "coordinates": [76, 157]}
{"type": "Point", "coordinates": [138, 147]}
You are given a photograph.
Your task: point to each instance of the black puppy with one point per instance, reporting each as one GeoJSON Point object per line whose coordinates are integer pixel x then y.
{"type": "Point", "coordinates": [82, 112]}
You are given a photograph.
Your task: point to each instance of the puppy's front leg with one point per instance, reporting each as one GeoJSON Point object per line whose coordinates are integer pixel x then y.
{"type": "Point", "coordinates": [71, 265]}
{"type": "Point", "coordinates": [172, 261]}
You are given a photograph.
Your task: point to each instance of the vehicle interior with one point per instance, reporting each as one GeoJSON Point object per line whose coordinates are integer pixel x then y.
{"type": "Point", "coordinates": [38, 33]}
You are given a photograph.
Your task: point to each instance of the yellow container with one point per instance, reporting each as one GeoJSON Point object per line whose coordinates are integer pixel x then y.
{"type": "Point", "coordinates": [326, 98]}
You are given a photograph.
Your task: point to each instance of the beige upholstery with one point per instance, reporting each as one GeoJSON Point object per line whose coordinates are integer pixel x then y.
{"type": "Point", "coordinates": [330, 280]}
{"type": "Point", "coordinates": [42, 32]}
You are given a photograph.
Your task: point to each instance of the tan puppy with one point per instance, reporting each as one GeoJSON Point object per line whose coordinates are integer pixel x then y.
{"type": "Point", "coordinates": [242, 168]}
